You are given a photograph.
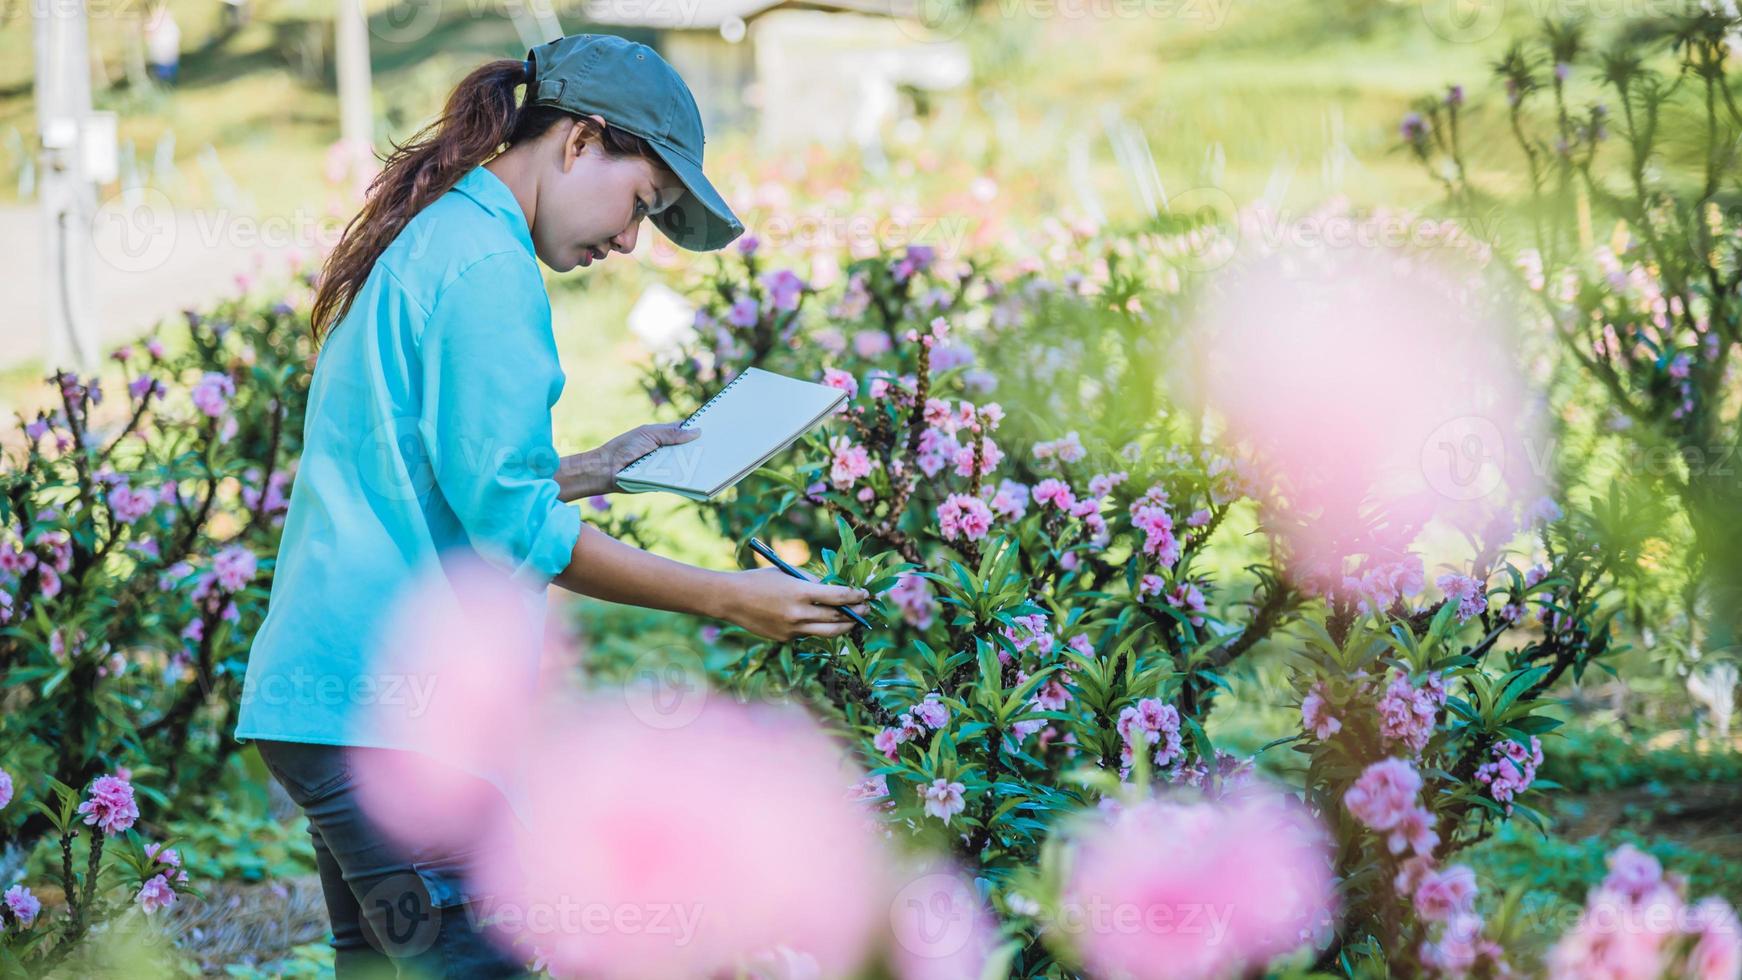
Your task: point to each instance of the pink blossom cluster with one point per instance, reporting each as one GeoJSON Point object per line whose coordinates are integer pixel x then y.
{"type": "Point", "coordinates": [1316, 713]}
{"type": "Point", "coordinates": [1256, 857]}
{"type": "Point", "coordinates": [1009, 500]}
{"type": "Point", "coordinates": [1030, 631]}
{"type": "Point", "coordinates": [1638, 923]}
{"type": "Point", "coordinates": [158, 891]}
{"type": "Point", "coordinates": [930, 712]}
{"type": "Point", "coordinates": [1066, 449]}
{"type": "Point", "coordinates": [1377, 585]}
{"type": "Point", "coordinates": [912, 595]}
{"type": "Point", "coordinates": [1385, 799]}
{"type": "Point", "coordinates": [1407, 713]}
{"type": "Point", "coordinates": [22, 905]}
{"type": "Point", "coordinates": [964, 516]}
{"type": "Point", "coordinates": [274, 503]}
{"type": "Point", "coordinates": [1149, 515]}
{"type": "Point", "coordinates": [5, 788]}
{"type": "Point", "coordinates": [849, 462]}
{"type": "Point", "coordinates": [1445, 899]}
{"type": "Point", "coordinates": [1512, 770]}
{"type": "Point", "coordinates": [1150, 722]}
{"type": "Point", "coordinates": [212, 393]}
{"type": "Point", "coordinates": [1470, 594]}
{"type": "Point", "coordinates": [110, 807]}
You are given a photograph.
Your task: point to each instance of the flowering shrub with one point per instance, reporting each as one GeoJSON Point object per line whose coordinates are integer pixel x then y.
{"type": "Point", "coordinates": [1628, 249]}
{"type": "Point", "coordinates": [132, 529]}
{"type": "Point", "coordinates": [1052, 635]}
{"type": "Point", "coordinates": [119, 872]}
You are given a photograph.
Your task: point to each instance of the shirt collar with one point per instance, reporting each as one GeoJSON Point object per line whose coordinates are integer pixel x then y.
{"type": "Point", "coordinates": [493, 196]}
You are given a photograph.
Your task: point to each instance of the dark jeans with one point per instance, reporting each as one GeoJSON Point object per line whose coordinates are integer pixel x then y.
{"type": "Point", "coordinates": [395, 910]}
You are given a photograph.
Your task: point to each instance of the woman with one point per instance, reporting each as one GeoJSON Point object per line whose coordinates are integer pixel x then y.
{"type": "Point", "coordinates": [428, 432]}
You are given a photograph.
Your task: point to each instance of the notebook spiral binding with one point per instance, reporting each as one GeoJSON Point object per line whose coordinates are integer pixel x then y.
{"type": "Point", "coordinates": [698, 413]}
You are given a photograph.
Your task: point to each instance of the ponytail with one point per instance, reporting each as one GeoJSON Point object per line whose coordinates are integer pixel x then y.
{"type": "Point", "coordinates": [477, 119]}
{"type": "Point", "coordinates": [481, 115]}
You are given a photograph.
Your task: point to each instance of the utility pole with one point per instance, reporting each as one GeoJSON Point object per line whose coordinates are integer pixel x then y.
{"type": "Point", "coordinates": [64, 187]}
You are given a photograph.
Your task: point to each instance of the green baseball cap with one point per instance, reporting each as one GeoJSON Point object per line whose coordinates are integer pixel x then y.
{"type": "Point", "coordinates": [634, 89]}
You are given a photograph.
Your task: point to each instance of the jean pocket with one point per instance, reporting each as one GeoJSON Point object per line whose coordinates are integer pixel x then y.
{"type": "Point", "coordinates": [446, 879]}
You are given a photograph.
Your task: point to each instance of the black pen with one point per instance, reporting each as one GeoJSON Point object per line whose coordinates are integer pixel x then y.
{"type": "Point", "coordinates": [765, 551]}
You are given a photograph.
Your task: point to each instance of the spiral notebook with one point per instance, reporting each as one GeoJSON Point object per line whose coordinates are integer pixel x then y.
{"type": "Point", "coordinates": [752, 419]}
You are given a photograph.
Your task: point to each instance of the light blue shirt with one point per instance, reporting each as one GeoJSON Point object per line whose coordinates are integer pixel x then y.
{"type": "Point", "coordinates": [428, 430]}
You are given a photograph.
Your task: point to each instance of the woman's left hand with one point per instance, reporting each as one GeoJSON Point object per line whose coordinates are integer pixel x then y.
{"type": "Point", "coordinates": [595, 472]}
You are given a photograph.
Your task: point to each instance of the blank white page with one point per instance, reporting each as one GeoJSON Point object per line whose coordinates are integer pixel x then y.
{"type": "Point", "coordinates": [754, 417]}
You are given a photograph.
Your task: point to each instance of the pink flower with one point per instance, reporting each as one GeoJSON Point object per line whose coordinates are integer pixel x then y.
{"type": "Point", "coordinates": [784, 288]}
{"type": "Point", "coordinates": [1150, 585]}
{"type": "Point", "coordinates": [129, 505]}
{"type": "Point", "coordinates": [1149, 722]}
{"type": "Point", "coordinates": [871, 343]}
{"type": "Point", "coordinates": [1717, 951]}
{"type": "Point", "coordinates": [1415, 832]}
{"type": "Point", "coordinates": [1632, 873]}
{"type": "Point", "coordinates": [24, 906]}
{"type": "Point", "coordinates": [912, 595]}
{"type": "Point", "coordinates": [943, 799]}
{"type": "Point", "coordinates": [1187, 596]}
{"type": "Point", "coordinates": [213, 393]}
{"type": "Point", "coordinates": [964, 516]}
{"type": "Point", "coordinates": [1467, 592]}
{"type": "Point", "coordinates": [1157, 527]}
{"type": "Point", "coordinates": [1407, 715]}
{"type": "Point", "coordinates": [1082, 645]}
{"type": "Point", "coordinates": [1441, 894]}
{"type": "Point", "coordinates": [1512, 771]}
{"type": "Point", "coordinates": [169, 859]}
{"type": "Point", "coordinates": [1102, 484]}
{"type": "Point", "coordinates": [1067, 449]}
{"type": "Point", "coordinates": [111, 807]}
{"type": "Point", "coordinates": [836, 378]}
{"type": "Point", "coordinates": [1384, 794]}
{"type": "Point", "coordinates": [990, 457]}
{"type": "Point", "coordinates": [1010, 501]}
{"type": "Point", "coordinates": [1315, 713]}
{"type": "Point", "coordinates": [155, 894]}
{"type": "Point", "coordinates": [5, 788]}
{"type": "Point", "coordinates": [887, 741]}
{"type": "Point", "coordinates": [1055, 492]}
{"type": "Point", "coordinates": [932, 711]}
{"type": "Point", "coordinates": [1030, 631]}
{"type": "Point", "coordinates": [850, 462]}
{"type": "Point", "coordinates": [743, 312]}
{"type": "Point", "coordinates": [234, 568]}
{"type": "Point", "coordinates": [1260, 862]}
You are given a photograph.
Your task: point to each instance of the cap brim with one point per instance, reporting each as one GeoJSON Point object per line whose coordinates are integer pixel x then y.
{"type": "Point", "coordinates": [699, 220]}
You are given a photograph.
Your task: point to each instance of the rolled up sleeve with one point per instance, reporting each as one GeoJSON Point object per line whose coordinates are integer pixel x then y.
{"type": "Point", "coordinates": [490, 378]}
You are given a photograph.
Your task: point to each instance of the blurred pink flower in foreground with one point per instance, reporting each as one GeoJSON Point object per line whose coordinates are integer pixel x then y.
{"type": "Point", "coordinates": [456, 682]}
{"type": "Point", "coordinates": [1170, 888]}
{"type": "Point", "coordinates": [1378, 387]}
{"type": "Point", "coordinates": [686, 851]}
{"type": "Point", "coordinates": [940, 928]}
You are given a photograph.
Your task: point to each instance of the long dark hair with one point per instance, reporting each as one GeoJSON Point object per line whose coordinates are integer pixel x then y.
{"type": "Point", "coordinates": [482, 115]}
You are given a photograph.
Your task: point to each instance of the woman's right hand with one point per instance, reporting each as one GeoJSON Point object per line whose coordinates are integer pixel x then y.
{"type": "Point", "coordinates": [774, 605]}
